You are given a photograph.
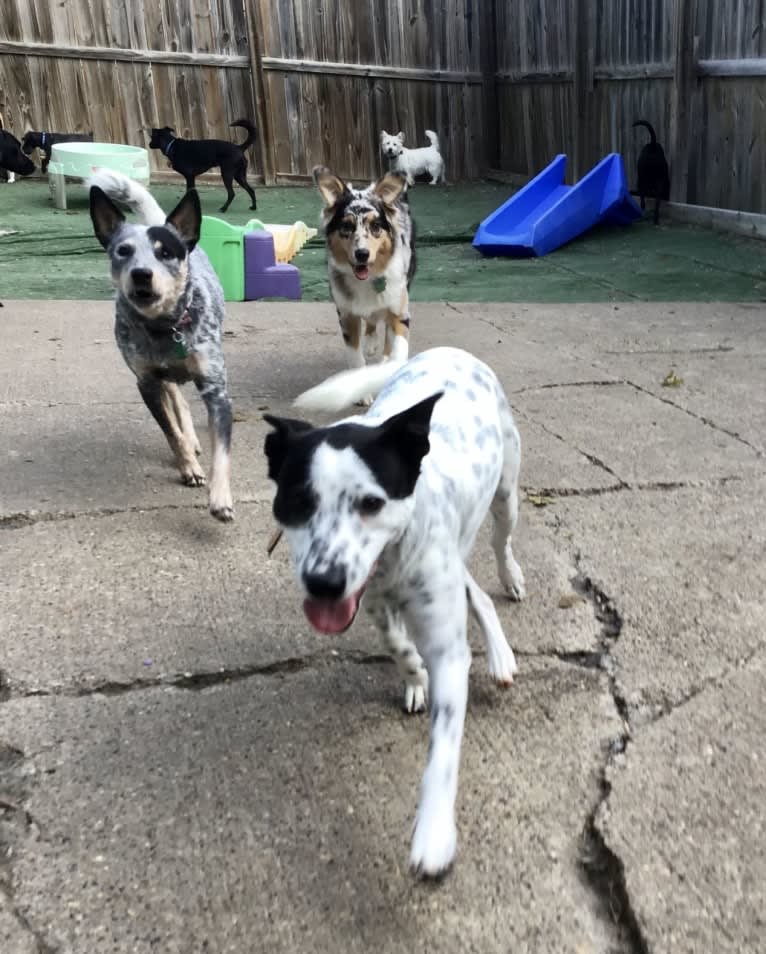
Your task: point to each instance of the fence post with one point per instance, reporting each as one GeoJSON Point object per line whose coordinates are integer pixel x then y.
{"type": "Point", "coordinates": [583, 66]}
{"type": "Point", "coordinates": [265, 137]}
{"type": "Point", "coordinates": [491, 117]}
{"type": "Point", "coordinates": [684, 81]}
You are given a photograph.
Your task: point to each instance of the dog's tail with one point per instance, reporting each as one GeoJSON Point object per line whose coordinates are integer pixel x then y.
{"type": "Point", "coordinates": [129, 193]}
{"type": "Point", "coordinates": [252, 132]}
{"type": "Point", "coordinates": [347, 387]}
{"type": "Point", "coordinates": [646, 125]}
{"type": "Point", "coordinates": [432, 138]}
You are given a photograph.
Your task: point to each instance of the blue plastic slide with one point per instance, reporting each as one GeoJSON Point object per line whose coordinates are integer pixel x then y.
{"type": "Point", "coordinates": [546, 213]}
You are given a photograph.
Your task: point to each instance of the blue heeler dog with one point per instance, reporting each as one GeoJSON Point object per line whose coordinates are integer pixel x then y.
{"type": "Point", "coordinates": [169, 313]}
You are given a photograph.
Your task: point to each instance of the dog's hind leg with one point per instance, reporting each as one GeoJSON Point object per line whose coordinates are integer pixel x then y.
{"type": "Point", "coordinates": [228, 178]}
{"type": "Point", "coordinates": [505, 509]}
{"type": "Point", "coordinates": [500, 658]}
{"type": "Point", "coordinates": [160, 402]}
{"type": "Point", "coordinates": [241, 176]}
{"type": "Point", "coordinates": [408, 661]}
{"type": "Point", "coordinates": [183, 415]}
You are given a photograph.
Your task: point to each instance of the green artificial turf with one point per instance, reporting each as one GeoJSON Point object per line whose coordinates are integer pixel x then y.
{"type": "Point", "coordinates": [53, 254]}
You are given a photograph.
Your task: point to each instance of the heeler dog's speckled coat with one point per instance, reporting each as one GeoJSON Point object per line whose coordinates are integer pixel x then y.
{"type": "Point", "coordinates": [370, 240]}
{"type": "Point", "coordinates": [169, 315]}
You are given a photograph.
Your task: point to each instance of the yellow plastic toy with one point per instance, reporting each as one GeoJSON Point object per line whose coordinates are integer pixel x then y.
{"type": "Point", "coordinates": [289, 239]}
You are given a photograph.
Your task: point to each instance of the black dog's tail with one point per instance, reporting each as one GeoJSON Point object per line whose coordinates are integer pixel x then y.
{"type": "Point", "coordinates": [643, 122]}
{"type": "Point", "coordinates": [252, 132]}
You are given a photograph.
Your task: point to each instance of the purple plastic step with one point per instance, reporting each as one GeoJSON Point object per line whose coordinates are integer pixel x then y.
{"type": "Point", "coordinates": [263, 277]}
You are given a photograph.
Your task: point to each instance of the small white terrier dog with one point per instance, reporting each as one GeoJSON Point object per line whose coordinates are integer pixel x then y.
{"type": "Point", "coordinates": [413, 162]}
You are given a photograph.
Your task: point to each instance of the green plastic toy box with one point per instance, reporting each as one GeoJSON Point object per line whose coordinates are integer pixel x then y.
{"type": "Point", "coordinates": [224, 245]}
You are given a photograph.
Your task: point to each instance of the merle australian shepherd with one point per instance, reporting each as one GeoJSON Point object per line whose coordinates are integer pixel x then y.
{"type": "Point", "coordinates": [370, 238]}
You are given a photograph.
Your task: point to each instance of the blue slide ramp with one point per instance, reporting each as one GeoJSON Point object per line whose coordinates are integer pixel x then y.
{"type": "Point", "coordinates": [546, 214]}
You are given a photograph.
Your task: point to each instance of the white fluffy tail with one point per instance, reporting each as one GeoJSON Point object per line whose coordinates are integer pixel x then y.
{"type": "Point", "coordinates": [347, 387]}
{"type": "Point", "coordinates": [127, 192]}
{"type": "Point", "coordinates": [432, 137]}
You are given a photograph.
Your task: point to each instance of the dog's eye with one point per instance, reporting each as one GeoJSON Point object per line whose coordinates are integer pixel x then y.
{"type": "Point", "coordinates": [375, 229]}
{"type": "Point", "coordinates": [124, 250]}
{"type": "Point", "coordinates": [165, 254]}
{"type": "Point", "coordinates": [369, 505]}
{"type": "Point", "coordinates": [346, 230]}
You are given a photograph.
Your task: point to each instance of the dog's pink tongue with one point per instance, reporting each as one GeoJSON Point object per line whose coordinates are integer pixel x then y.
{"type": "Point", "coordinates": [362, 272]}
{"type": "Point", "coordinates": [330, 617]}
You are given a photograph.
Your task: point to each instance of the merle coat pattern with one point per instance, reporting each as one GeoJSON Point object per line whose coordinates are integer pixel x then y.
{"type": "Point", "coordinates": [387, 506]}
{"type": "Point", "coordinates": [168, 321]}
{"type": "Point", "coordinates": [192, 157]}
{"type": "Point", "coordinates": [370, 239]}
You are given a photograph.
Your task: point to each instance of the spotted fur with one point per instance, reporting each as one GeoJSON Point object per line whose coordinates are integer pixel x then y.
{"type": "Point", "coordinates": [370, 239]}
{"type": "Point", "coordinates": [168, 320]}
{"type": "Point", "coordinates": [385, 507]}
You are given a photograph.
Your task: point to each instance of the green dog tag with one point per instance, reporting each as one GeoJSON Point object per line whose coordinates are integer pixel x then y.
{"type": "Point", "coordinates": [379, 284]}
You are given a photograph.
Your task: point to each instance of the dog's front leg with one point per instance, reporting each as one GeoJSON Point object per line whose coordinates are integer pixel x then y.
{"type": "Point", "coordinates": [213, 393]}
{"type": "Point", "coordinates": [159, 399]}
{"type": "Point", "coordinates": [397, 346]}
{"type": "Point", "coordinates": [351, 329]}
{"type": "Point", "coordinates": [441, 637]}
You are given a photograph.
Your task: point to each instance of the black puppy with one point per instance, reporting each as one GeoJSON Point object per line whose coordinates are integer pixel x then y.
{"type": "Point", "coordinates": [653, 174]}
{"type": "Point", "coordinates": [45, 141]}
{"type": "Point", "coordinates": [192, 157]}
{"type": "Point", "coordinates": [12, 159]}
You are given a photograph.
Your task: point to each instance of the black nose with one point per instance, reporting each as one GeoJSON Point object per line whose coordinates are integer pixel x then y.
{"type": "Point", "coordinates": [141, 276]}
{"type": "Point", "coordinates": [362, 255]}
{"type": "Point", "coordinates": [328, 585]}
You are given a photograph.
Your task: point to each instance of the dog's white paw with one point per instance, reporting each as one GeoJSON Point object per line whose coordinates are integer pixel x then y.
{"type": "Point", "coordinates": [415, 698]}
{"type": "Point", "coordinates": [434, 843]}
{"type": "Point", "coordinates": [222, 512]}
{"type": "Point", "coordinates": [502, 664]}
{"type": "Point", "coordinates": [513, 579]}
{"type": "Point", "coordinates": [193, 477]}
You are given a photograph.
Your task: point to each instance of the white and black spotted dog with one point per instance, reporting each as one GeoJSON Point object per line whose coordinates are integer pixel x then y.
{"type": "Point", "coordinates": [387, 506]}
{"type": "Point", "coordinates": [370, 239]}
{"type": "Point", "coordinates": [426, 160]}
{"type": "Point", "coordinates": [168, 321]}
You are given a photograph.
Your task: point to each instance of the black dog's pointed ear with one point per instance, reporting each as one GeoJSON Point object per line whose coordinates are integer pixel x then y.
{"type": "Point", "coordinates": [105, 215]}
{"type": "Point", "coordinates": [186, 218]}
{"type": "Point", "coordinates": [278, 441]}
{"type": "Point", "coordinates": [406, 433]}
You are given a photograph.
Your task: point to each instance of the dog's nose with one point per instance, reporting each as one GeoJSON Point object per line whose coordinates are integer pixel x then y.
{"type": "Point", "coordinates": [141, 276]}
{"type": "Point", "coordinates": [328, 585]}
{"type": "Point", "coordinates": [362, 255]}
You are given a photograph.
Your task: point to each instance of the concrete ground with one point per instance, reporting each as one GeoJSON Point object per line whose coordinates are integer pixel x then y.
{"type": "Point", "coordinates": [186, 767]}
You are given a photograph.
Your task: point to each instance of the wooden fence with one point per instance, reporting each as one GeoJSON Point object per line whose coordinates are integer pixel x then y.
{"type": "Point", "coordinates": [506, 83]}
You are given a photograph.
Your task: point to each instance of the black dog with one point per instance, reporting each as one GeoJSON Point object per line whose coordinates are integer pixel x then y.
{"type": "Point", "coordinates": [653, 174]}
{"type": "Point", "coordinates": [45, 141]}
{"type": "Point", "coordinates": [12, 159]}
{"type": "Point", "coordinates": [192, 157]}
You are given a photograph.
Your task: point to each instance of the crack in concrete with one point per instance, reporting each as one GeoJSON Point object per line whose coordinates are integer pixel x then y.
{"type": "Point", "coordinates": [568, 384]}
{"type": "Point", "coordinates": [697, 417]}
{"type": "Point", "coordinates": [604, 870]}
{"type": "Point", "coordinates": [204, 679]}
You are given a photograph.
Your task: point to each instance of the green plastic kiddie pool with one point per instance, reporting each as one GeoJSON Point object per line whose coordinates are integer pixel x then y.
{"type": "Point", "coordinates": [78, 160]}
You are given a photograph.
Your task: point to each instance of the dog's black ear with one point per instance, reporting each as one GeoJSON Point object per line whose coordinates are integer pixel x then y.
{"type": "Point", "coordinates": [390, 187]}
{"type": "Point", "coordinates": [186, 218]}
{"type": "Point", "coordinates": [406, 434]}
{"type": "Point", "coordinates": [276, 444]}
{"type": "Point", "coordinates": [105, 215]}
{"type": "Point", "coordinates": [331, 187]}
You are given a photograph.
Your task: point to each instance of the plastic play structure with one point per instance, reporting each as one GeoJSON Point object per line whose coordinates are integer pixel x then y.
{"type": "Point", "coordinates": [546, 214]}
{"type": "Point", "coordinates": [251, 260]}
{"type": "Point", "coordinates": [78, 160]}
